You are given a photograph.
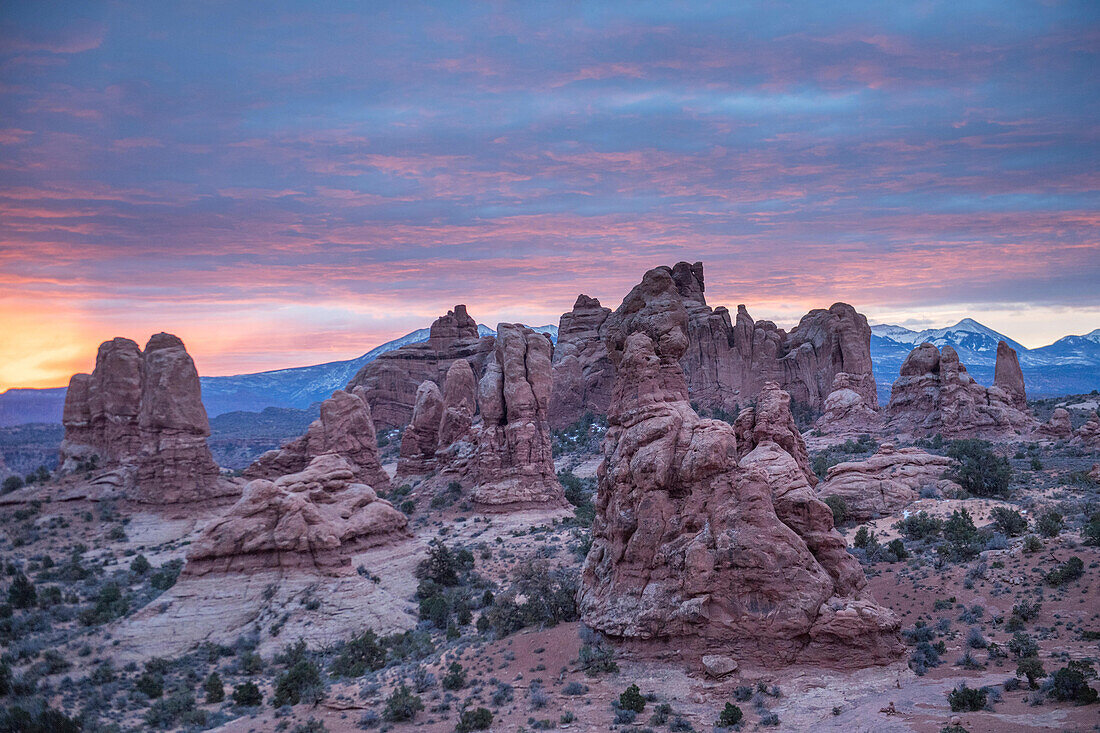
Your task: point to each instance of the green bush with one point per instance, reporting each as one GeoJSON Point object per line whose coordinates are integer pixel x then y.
{"type": "Point", "coordinates": [455, 679]}
{"type": "Point", "coordinates": [981, 471]}
{"type": "Point", "coordinates": [360, 655]}
{"type": "Point", "coordinates": [1023, 646]}
{"type": "Point", "coordinates": [920, 526]}
{"type": "Point", "coordinates": [214, 688]}
{"type": "Point", "coordinates": [631, 699]}
{"type": "Point", "coordinates": [1090, 533]}
{"type": "Point", "coordinates": [967, 699]}
{"type": "Point", "coordinates": [1009, 522]}
{"type": "Point", "coordinates": [443, 566]}
{"type": "Point", "coordinates": [1031, 668]}
{"type": "Point", "coordinates": [1068, 684]}
{"type": "Point", "coordinates": [1066, 572]}
{"type": "Point", "coordinates": [962, 539]}
{"type": "Point", "coordinates": [897, 547]}
{"type": "Point", "coordinates": [479, 719]}
{"type": "Point", "coordinates": [21, 592]}
{"type": "Point", "coordinates": [140, 565]}
{"type": "Point", "coordinates": [402, 704]}
{"type": "Point", "coordinates": [839, 507]}
{"type": "Point", "coordinates": [247, 695]}
{"type": "Point", "coordinates": [864, 538]}
{"type": "Point", "coordinates": [1050, 524]}
{"type": "Point", "coordinates": [150, 684]}
{"type": "Point", "coordinates": [731, 715]}
{"type": "Point", "coordinates": [300, 683]}
{"type": "Point", "coordinates": [109, 605]}
{"type": "Point", "coordinates": [1032, 544]}
{"type": "Point", "coordinates": [11, 483]}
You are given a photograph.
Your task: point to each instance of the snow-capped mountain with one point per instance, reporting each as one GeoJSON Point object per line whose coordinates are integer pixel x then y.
{"type": "Point", "coordinates": [1070, 365]}
{"type": "Point", "coordinates": [297, 387]}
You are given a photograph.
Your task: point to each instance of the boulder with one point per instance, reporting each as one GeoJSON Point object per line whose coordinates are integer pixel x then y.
{"type": "Point", "coordinates": [143, 410]}
{"type": "Point", "coordinates": [887, 482]}
{"type": "Point", "coordinates": [391, 381]}
{"type": "Point", "coordinates": [344, 428]}
{"type": "Point", "coordinates": [1058, 427]}
{"type": "Point", "coordinates": [702, 543]}
{"type": "Point", "coordinates": [719, 665]}
{"type": "Point", "coordinates": [934, 394]}
{"type": "Point", "coordinates": [314, 519]}
{"type": "Point", "coordinates": [1088, 435]}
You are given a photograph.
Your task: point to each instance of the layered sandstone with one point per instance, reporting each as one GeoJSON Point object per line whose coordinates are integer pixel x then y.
{"type": "Point", "coordinates": [934, 394]}
{"type": "Point", "coordinates": [391, 381]}
{"type": "Point", "coordinates": [420, 440]}
{"type": "Point", "coordinates": [582, 372]}
{"type": "Point", "coordinates": [887, 482]}
{"type": "Point", "coordinates": [728, 359]}
{"type": "Point", "coordinates": [709, 537]}
{"type": "Point", "coordinates": [1008, 377]}
{"type": "Point", "coordinates": [846, 411]}
{"type": "Point", "coordinates": [314, 519]}
{"type": "Point", "coordinates": [344, 428]}
{"type": "Point", "coordinates": [141, 413]}
{"type": "Point", "coordinates": [1058, 427]}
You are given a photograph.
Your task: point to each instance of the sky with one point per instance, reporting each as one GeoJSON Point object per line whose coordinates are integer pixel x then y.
{"type": "Point", "coordinates": [287, 183]}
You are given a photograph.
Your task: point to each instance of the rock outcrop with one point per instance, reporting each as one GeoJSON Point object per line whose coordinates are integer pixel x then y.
{"type": "Point", "coordinates": [1008, 377]}
{"type": "Point", "coordinates": [728, 359]}
{"type": "Point", "coordinates": [887, 482]}
{"type": "Point", "coordinates": [313, 520]}
{"type": "Point", "coordinates": [935, 395]}
{"type": "Point", "coordinates": [1058, 427]}
{"type": "Point", "coordinates": [344, 428]}
{"type": "Point", "coordinates": [707, 537]}
{"type": "Point", "coordinates": [141, 412]}
{"type": "Point", "coordinates": [391, 381]}
{"type": "Point", "coordinates": [491, 436]}
{"type": "Point", "coordinates": [1088, 435]}
{"type": "Point", "coordinates": [582, 373]}
{"type": "Point", "coordinates": [847, 413]}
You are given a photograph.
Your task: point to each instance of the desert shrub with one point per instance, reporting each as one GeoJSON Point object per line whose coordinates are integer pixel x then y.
{"type": "Point", "coordinates": [1027, 610]}
{"type": "Point", "coordinates": [21, 592]}
{"type": "Point", "coordinates": [247, 695]}
{"type": "Point", "coordinates": [548, 598]}
{"type": "Point", "coordinates": [864, 538]}
{"type": "Point", "coordinates": [967, 699]}
{"type": "Point", "coordinates": [574, 688]}
{"type": "Point", "coordinates": [537, 696]}
{"type": "Point", "coordinates": [109, 604]}
{"type": "Point", "coordinates": [455, 679]}
{"type": "Point", "coordinates": [962, 541]}
{"type": "Point", "coordinates": [631, 699]}
{"type": "Point", "coordinates": [1090, 533]}
{"type": "Point", "coordinates": [624, 717]}
{"type": "Point", "coordinates": [150, 684]}
{"type": "Point", "coordinates": [981, 471]}
{"type": "Point", "coordinates": [173, 710]}
{"type": "Point", "coordinates": [920, 526]}
{"type": "Point", "coordinates": [478, 719]}
{"type": "Point", "coordinates": [975, 639]}
{"type": "Point", "coordinates": [1050, 523]}
{"type": "Point", "coordinates": [358, 656]}
{"type": "Point", "coordinates": [1066, 572]}
{"type": "Point", "coordinates": [443, 565]}
{"type": "Point", "coordinates": [11, 483]}
{"type": "Point", "coordinates": [402, 704]}
{"type": "Point", "coordinates": [300, 683]}
{"type": "Point", "coordinates": [839, 507]}
{"type": "Point", "coordinates": [968, 661]}
{"type": "Point", "coordinates": [1032, 544]}
{"type": "Point", "coordinates": [1031, 668]}
{"type": "Point", "coordinates": [1009, 521]}
{"type": "Point", "coordinates": [731, 715]}
{"type": "Point", "coordinates": [924, 656]}
{"type": "Point", "coordinates": [214, 688]}
{"type": "Point", "coordinates": [897, 548]}
{"type": "Point", "coordinates": [166, 576]}
{"type": "Point", "coordinates": [1023, 646]}
{"type": "Point", "coordinates": [140, 565]}
{"type": "Point", "coordinates": [37, 717]}
{"type": "Point", "coordinates": [1069, 684]}
{"type": "Point", "coordinates": [596, 659]}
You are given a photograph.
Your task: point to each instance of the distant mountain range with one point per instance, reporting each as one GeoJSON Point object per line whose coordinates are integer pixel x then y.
{"type": "Point", "coordinates": [297, 387]}
{"type": "Point", "coordinates": [1070, 365]}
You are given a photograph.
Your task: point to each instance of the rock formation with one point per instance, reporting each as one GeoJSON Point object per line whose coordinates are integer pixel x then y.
{"type": "Point", "coordinates": [391, 381]}
{"type": "Point", "coordinates": [935, 394]}
{"type": "Point", "coordinates": [847, 414]}
{"type": "Point", "coordinates": [420, 440]}
{"type": "Point", "coordinates": [728, 360]}
{"type": "Point", "coordinates": [142, 412]}
{"type": "Point", "coordinates": [1059, 427]}
{"type": "Point", "coordinates": [313, 519]}
{"type": "Point", "coordinates": [887, 482]}
{"type": "Point", "coordinates": [1088, 435]}
{"type": "Point", "coordinates": [459, 403]}
{"type": "Point", "coordinates": [709, 537]}
{"type": "Point", "coordinates": [582, 373]}
{"type": "Point", "coordinates": [1008, 377]}
{"type": "Point", "coordinates": [345, 428]}
{"type": "Point", "coordinates": [1094, 474]}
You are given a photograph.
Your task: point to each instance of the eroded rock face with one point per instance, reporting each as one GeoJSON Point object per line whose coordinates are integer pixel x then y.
{"type": "Point", "coordinates": [582, 373]}
{"type": "Point", "coordinates": [1059, 427]}
{"type": "Point", "coordinates": [513, 465]}
{"type": "Point", "coordinates": [728, 359]}
{"type": "Point", "coordinates": [143, 411]}
{"type": "Point", "coordinates": [344, 428]}
{"type": "Point", "coordinates": [421, 438]}
{"type": "Point", "coordinates": [705, 543]}
{"type": "Point", "coordinates": [391, 381]}
{"type": "Point", "coordinates": [887, 482]}
{"type": "Point", "coordinates": [314, 519]}
{"type": "Point", "coordinates": [1088, 435]}
{"type": "Point", "coordinates": [1008, 377]}
{"type": "Point", "coordinates": [935, 394]}
{"type": "Point", "coordinates": [847, 413]}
